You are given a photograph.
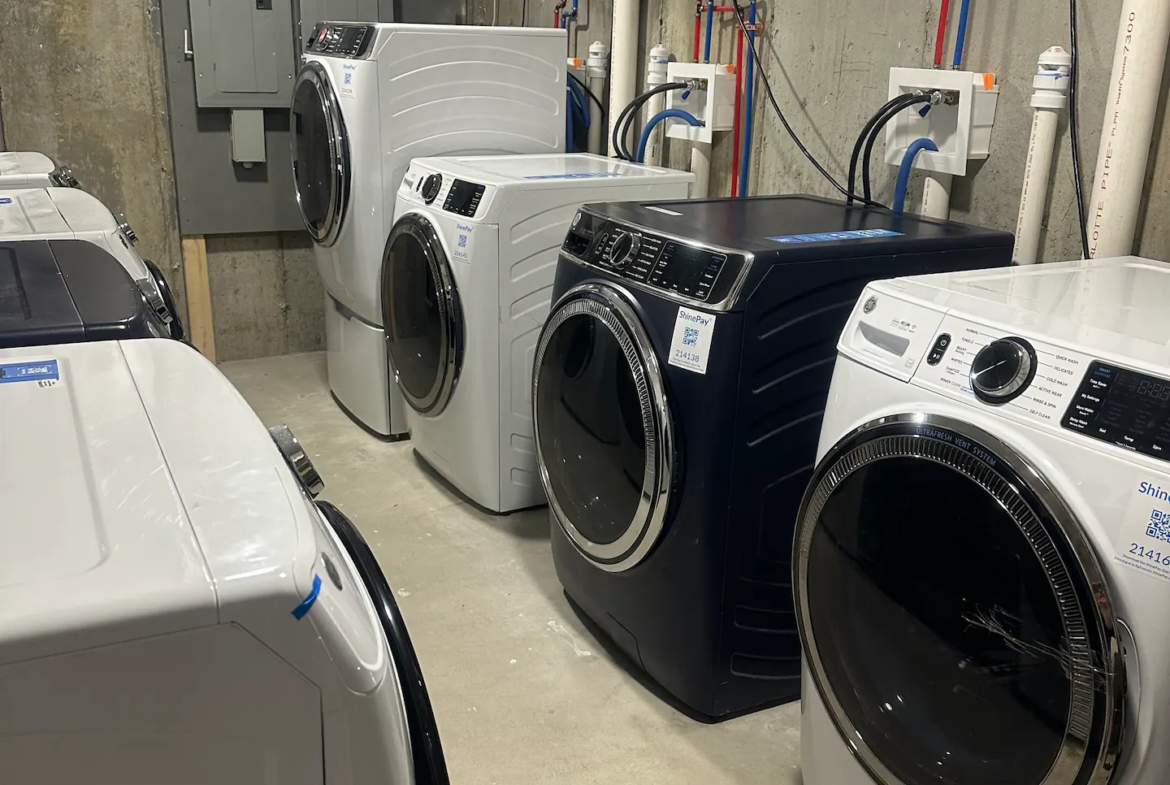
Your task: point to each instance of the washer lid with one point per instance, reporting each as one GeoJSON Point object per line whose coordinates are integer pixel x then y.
{"type": "Point", "coordinates": [95, 546]}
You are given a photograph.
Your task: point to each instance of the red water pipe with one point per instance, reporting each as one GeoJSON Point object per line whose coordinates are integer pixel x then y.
{"type": "Point", "coordinates": [737, 128]}
{"type": "Point", "coordinates": [698, 28]}
{"type": "Point", "coordinates": [940, 39]}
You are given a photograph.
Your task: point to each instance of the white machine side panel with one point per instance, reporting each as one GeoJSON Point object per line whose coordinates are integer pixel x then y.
{"type": "Point", "coordinates": [25, 167]}
{"type": "Point", "coordinates": [207, 707]}
{"type": "Point", "coordinates": [461, 94]}
{"type": "Point", "coordinates": [31, 212]}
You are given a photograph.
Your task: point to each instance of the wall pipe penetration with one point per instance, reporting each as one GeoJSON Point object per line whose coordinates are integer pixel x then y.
{"type": "Point", "coordinates": [1049, 100]}
{"type": "Point", "coordinates": [1115, 197]}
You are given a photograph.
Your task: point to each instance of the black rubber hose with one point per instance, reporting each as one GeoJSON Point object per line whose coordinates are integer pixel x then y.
{"type": "Point", "coordinates": [1074, 132]}
{"type": "Point", "coordinates": [626, 118]}
{"type": "Point", "coordinates": [890, 114]}
{"type": "Point", "coordinates": [855, 158]}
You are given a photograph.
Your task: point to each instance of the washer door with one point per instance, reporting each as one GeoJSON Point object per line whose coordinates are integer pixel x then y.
{"type": "Point", "coordinates": [320, 154]}
{"type": "Point", "coordinates": [603, 428]}
{"type": "Point", "coordinates": [954, 617]}
{"type": "Point", "coordinates": [424, 321]}
{"type": "Point", "coordinates": [430, 767]}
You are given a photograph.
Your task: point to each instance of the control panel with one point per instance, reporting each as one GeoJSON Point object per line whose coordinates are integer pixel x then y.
{"type": "Point", "coordinates": [673, 265]}
{"type": "Point", "coordinates": [341, 40]}
{"type": "Point", "coordinates": [1122, 407]}
{"type": "Point", "coordinates": [463, 198]}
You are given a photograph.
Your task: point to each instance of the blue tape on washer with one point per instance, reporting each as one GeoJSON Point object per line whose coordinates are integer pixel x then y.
{"type": "Point", "coordinates": [574, 176]}
{"type": "Point", "coordinates": [307, 603]}
{"type": "Point", "coordinates": [830, 237]}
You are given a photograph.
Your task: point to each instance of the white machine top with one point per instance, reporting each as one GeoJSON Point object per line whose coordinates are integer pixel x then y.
{"type": "Point", "coordinates": [13, 165]}
{"type": "Point", "coordinates": [1095, 305]}
{"type": "Point", "coordinates": [139, 490]}
{"type": "Point", "coordinates": [52, 211]}
{"type": "Point", "coordinates": [546, 171]}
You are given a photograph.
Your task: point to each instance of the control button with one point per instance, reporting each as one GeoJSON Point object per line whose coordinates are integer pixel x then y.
{"type": "Point", "coordinates": [431, 187]}
{"type": "Point", "coordinates": [625, 250]}
{"type": "Point", "coordinates": [1002, 370]}
{"type": "Point", "coordinates": [939, 350]}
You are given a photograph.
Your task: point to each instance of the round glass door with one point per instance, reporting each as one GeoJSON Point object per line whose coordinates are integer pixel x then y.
{"type": "Point", "coordinates": [955, 619]}
{"type": "Point", "coordinates": [603, 435]}
{"type": "Point", "coordinates": [424, 322]}
{"type": "Point", "coordinates": [320, 153]}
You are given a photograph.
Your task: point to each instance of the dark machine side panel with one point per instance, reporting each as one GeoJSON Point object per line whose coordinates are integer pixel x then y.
{"type": "Point", "coordinates": [791, 331]}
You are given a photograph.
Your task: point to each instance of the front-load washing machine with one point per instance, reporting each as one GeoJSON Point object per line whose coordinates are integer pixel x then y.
{"type": "Point", "coordinates": [982, 562]}
{"type": "Point", "coordinates": [467, 283]}
{"type": "Point", "coordinates": [679, 386]}
{"type": "Point", "coordinates": [33, 170]}
{"type": "Point", "coordinates": [177, 606]}
{"type": "Point", "coordinates": [69, 291]}
{"type": "Point", "coordinates": [369, 99]}
{"type": "Point", "coordinates": [70, 213]}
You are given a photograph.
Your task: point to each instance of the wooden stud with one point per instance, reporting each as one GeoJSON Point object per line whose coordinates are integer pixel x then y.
{"type": "Point", "coordinates": [200, 328]}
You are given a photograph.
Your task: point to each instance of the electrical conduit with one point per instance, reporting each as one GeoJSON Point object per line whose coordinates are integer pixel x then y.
{"type": "Point", "coordinates": [1049, 100]}
{"type": "Point", "coordinates": [917, 146]}
{"type": "Point", "coordinates": [624, 66]}
{"type": "Point", "coordinates": [1134, 87]}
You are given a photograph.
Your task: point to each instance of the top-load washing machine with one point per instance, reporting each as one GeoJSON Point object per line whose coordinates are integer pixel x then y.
{"type": "Point", "coordinates": [467, 283]}
{"type": "Point", "coordinates": [982, 563]}
{"type": "Point", "coordinates": [70, 213]}
{"type": "Point", "coordinates": [369, 99]}
{"type": "Point", "coordinates": [69, 291]}
{"type": "Point", "coordinates": [177, 607]}
{"type": "Point", "coordinates": [33, 170]}
{"type": "Point", "coordinates": [679, 386]}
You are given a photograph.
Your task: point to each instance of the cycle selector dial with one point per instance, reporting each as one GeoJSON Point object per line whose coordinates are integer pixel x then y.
{"type": "Point", "coordinates": [431, 187]}
{"type": "Point", "coordinates": [625, 250]}
{"type": "Point", "coordinates": [1002, 370]}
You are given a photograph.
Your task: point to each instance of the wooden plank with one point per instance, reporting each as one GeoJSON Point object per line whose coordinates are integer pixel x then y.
{"type": "Point", "coordinates": [200, 328]}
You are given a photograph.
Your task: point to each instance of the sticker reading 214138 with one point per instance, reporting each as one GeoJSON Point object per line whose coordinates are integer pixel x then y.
{"type": "Point", "coordinates": [691, 343]}
{"type": "Point", "coordinates": [1143, 540]}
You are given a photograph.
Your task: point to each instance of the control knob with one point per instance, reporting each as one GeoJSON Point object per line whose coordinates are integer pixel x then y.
{"type": "Point", "coordinates": [431, 187]}
{"type": "Point", "coordinates": [625, 250]}
{"type": "Point", "coordinates": [297, 460]}
{"type": "Point", "coordinates": [1002, 370]}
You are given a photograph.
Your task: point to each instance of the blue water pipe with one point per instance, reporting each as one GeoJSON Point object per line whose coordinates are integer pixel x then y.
{"type": "Point", "coordinates": [917, 146]}
{"type": "Point", "coordinates": [654, 121]}
{"type": "Point", "coordinates": [749, 104]}
{"type": "Point", "coordinates": [710, 26]}
{"type": "Point", "coordinates": [962, 37]}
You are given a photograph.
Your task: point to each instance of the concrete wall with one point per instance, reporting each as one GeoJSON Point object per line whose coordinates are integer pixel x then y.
{"type": "Point", "coordinates": [829, 61]}
{"type": "Point", "coordinates": [83, 82]}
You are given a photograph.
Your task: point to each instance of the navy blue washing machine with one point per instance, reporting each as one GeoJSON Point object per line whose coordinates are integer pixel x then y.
{"type": "Point", "coordinates": [72, 291]}
{"type": "Point", "coordinates": [679, 386]}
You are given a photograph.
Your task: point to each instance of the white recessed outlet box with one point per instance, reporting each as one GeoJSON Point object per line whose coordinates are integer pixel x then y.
{"type": "Point", "coordinates": [961, 131]}
{"type": "Point", "coordinates": [712, 102]}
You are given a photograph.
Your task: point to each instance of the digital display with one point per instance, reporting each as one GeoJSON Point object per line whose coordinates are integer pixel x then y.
{"type": "Point", "coordinates": [687, 270]}
{"type": "Point", "coordinates": [1123, 407]}
{"type": "Point", "coordinates": [463, 198]}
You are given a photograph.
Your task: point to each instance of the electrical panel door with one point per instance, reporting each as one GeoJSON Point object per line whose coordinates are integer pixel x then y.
{"type": "Point", "coordinates": [244, 53]}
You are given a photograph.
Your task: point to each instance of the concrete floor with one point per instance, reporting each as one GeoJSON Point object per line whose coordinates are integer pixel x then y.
{"type": "Point", "coordinates": [522, 691]}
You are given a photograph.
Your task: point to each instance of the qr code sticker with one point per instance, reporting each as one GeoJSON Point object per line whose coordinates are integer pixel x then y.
{"type": "Point", "coordinates": [462, 241]}
{"type": "Point", "coordinates": [690, 336]}
{"type": "Point", "coordinates": [1159, 526]}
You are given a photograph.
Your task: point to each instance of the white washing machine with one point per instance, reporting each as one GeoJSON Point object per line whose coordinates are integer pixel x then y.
{"type": "Point", "coordinates": [72, 214]}
{"type": "Point", "coordinates": [177, 608]}
{"type": "Point", "coordinates": [466, 286]}
{"type": "Point", "coordinates": [982, 559]}
{"type": "Point", "coordinates": [33, 170]}
{"type": "Point", "coordinates": [369, 99]}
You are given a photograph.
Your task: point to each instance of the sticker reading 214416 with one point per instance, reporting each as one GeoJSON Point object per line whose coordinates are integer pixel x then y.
{"type": "Point", "coordinates": [1143, 540]}
{"type": "Point", "coordinates": [691, 343]}
{"type": "Point", "coordinates": [45, 373]}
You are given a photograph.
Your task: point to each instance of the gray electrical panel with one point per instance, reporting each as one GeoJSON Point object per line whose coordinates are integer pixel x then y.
{"type": "Point", "coordinates": [244, 53]}
{"type": "Point", "coordinates": [310, 12]}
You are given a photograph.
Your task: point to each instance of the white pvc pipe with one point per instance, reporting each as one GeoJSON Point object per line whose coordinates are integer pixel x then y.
{"type": "Point", "coordinates": [1116, 194]}
{"type": "Point", "coordinates": [624, 62]}
{"type": "Point", "coordinates": [936, 195]}
{"type": "Point", "coordinates": [598, 64]}
{"type": "Point", "coordinates": [1049, 100]}
{"type": "Point", "coordinates": [656, 75]}
{"type": "Point", "coordinates": [701, 169]}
